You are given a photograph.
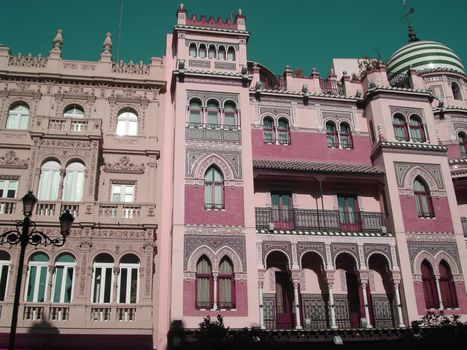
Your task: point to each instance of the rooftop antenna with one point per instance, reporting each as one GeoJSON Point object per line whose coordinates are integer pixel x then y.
{"type": "Point", "coordinates": [408, 12]}
{"type": "Point", "coordinates": [119, 29]}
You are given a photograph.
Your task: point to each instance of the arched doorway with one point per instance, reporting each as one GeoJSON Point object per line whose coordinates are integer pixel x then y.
{"type": "Point", "coordinates": [380, 292]}
{"type": "Point", "coordinates": [347, 300]}
{"type": "Point", "coordinates": [279, 309]}
{"type": "Point", "coordinates": [314, 293]}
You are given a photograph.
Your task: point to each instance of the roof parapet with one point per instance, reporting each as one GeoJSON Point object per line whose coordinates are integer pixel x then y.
{"type": "Point", "coordinates": [237, 24]}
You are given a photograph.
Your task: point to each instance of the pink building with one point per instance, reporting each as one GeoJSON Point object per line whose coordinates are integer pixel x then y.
{"type": "Point", "coordinates": [203, 184]}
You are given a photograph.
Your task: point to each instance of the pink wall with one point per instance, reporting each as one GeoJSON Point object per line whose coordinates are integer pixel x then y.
{"type": "Point", "coordinates": [311, 146]}
{"type": "Point", "coordinates": [461, 298]}
{"type": "Point", "coordinates": [442, 221]}
{"type": "Point", "coordinates": [453, 151]}
{"type": "Point", "coordinates": [189, 300]}
{"type": "Point", "coordinates": [195, 213]}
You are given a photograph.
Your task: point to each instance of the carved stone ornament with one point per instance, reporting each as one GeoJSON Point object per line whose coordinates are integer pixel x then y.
{"type": "Point", "coordinates": [10, 160]}
{"type": "Point", "coordinates": [124, 165]}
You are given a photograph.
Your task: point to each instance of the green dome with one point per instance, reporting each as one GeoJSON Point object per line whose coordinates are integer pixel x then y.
{"type": "Point", "coordinates": [421, 54]}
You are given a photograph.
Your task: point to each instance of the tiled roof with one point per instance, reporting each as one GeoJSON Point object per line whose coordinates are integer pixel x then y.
{"type": "Point", "coordinates": [316, 167]}
{"type": "Point", "coordinates": [301, 93]}
{"type": "Point", "coordinates": [441, 70]}
{"type": "Point", "coordinates": [395, 88]}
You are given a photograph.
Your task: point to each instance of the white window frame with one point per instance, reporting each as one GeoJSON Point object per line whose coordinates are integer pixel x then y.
{"type": "Point", "coordinates": [129, 267]}
{"type": "Point", "coordinates": [73, 182]}
{"type": "Point", "coordinates": [18, 118]}
{"type": "Point", "coordinates": [40, 265]}
{"type": "Point", "coordinates": [123, 189]}
{"type": "Point", "coordinates": [47, 186]}
{"type": "Point", "coordinates": [5, 187]}
{"type": "Point", "coordinates": [66, 266]}
{"type": "Point", "coordinates": [101, 296]}
{"type": "Point", "coordinates": [127, 124]}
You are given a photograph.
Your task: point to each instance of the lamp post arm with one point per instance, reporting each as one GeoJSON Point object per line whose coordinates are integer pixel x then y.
{"type": "Point", "coordinates": [19, 278]}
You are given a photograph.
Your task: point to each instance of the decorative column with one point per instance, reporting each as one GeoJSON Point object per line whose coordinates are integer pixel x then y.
{"type": "Point", "coordinates": [438, 291]}
{"type": "Point", "coordinates": [399, 305]}
{"type": "Point", "coordinates": [331, 305]}
{"type": "Point", "coordinates": [61, 184]}
{"type": "Point", "coordinates": [365, 301]}
{"type": "Point", "coordinates": [298, 324]}
{"type": "Point", "coordinates": [116, 272]}
{"type": "Point", "coordinates": [261, 306]}
{"type": "Point", "coordinates": [214, 297]}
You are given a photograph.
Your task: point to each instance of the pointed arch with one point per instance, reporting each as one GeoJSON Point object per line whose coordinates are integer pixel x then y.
{"type": "Point", "coordinates": [197, 254]}
{"type": "Point", "coordinates": [417, 261]}
{"type": "Point", "coordinates": [418, 171]}
{"type": "Point", "coordinates": [226, 251]}
{"type": "Point", "coordinates": [442, 255]}
{"type": "Point", "coordinates": [208, 160]}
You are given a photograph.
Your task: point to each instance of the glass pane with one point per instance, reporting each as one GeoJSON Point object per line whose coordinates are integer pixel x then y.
{"type": "Point", "coordinates": [218, 196]}
{"type": "Point", "coordinates": [31, 284]}
{"type": "Point", "coordinates": [58, 283]}
{"type": "Point", "coordinates": [13, 121]}
{"type": "Point", "coordinates": [134, 285]}
{"type": "Point", "coordinates": [68, 284]}
{"type": "Point", "coordinates": [42, 282]}
{"type": "Point", "coordinates": [123, 282]}
{"type": "Point", "coordinates": [108, 284]}
{"type": "Point", "coordinates": [132, 128]}
{"type": "Point", "coordinates": [3, 280]}
{"type": "Point", "coordinates": [24, 121]}
{"type": "Point", "coordinates": [97, 284]}
{"type": "Point", "coordinates": [55, 180]}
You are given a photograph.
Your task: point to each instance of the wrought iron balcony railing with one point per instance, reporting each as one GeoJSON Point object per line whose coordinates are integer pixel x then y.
{"type": "Point", "coordinates": [323, 220]}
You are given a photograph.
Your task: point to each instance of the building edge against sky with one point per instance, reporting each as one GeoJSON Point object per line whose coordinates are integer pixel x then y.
{"type": "Point", "coordinates": [203, 184]}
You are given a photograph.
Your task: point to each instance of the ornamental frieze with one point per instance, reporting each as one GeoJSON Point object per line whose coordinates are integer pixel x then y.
{"type": "Point", "coordinates": [350, 248]}
{"type": "Point", "coordinates": [282, 246]}
{"type": "Point", "coordinates": [430, 173]}
{"type": "Point", "coordinates": [10, 160]}
{"type": "Point", "coordinates": [303, 247]}
{"type": "Point", "coordinates": [225, 230]}
{"type": "Point", "coordinates": [124, 165]}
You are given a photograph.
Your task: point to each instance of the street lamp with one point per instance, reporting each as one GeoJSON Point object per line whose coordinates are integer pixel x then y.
{"type": "Point", "coordinates": [24, 234]}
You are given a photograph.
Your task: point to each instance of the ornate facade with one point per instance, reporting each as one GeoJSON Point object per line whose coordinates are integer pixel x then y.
{"type": "Point", "coordinates": [203, 184]}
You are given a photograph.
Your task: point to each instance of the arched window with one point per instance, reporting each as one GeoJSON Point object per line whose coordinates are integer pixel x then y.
{"type": "Point", "coordinates": [447, 286]}
{"type": "Point", "coordinates": [231, 54]}
{"type": "Point", "coordinates": [268, 130]}
{"type": "Point", "coordinates": [462, 144]}
{"type": "Point", "coordinates": [204, 297]}
{"type": "Point", "coordinates": [18, 117]}
{"type": "Point", "coordinates": [76, 113]}
{"type": "Point", "coordinates": [221, 54]}
{"type": "Point", "coordinates": [331, 134]}
{"type": "Point", "coordinates": [37, 278]}
{"type": "Point", "coordinates": [212, 51]}
{"type": "Point", "coordinates": [5, 261]}
{"type": "Point", "coordinates": [195, 111]}
{"type": "Point", "coordinates": [102, 277]}
{"type": "Point", "coordinates": [74, 182]}
{"type": "Point", "coordinates": [456, 91]}
{"type": "Point", "coordinates": [202, 51]}
{"type": "Point", "coordinates": [213, 113]}
{"type": "Point", "coordinates": [400, 127]}
{"type": "Point", "coordinates": [192, 50]}
{"type": "Point", "coordinates": [230, 115]}
{"type": "Point", "coordinates": [226, 284]}
{"type": "Point", "coordinates": [213, 189]}
{"type": "Point", "coordinates": [346, 136]}
{"type": "Point", "coordinates": [73, 111]}
{"type": "Point", "coordinates": [49, 181]}
{"type": "Point", "coordinates": [127, 124]}
{"type": "Point", "coordinates": [283, 131]}
{"type": "Point", "coordinates": [423, 199]}
{"type": "Point", "coordinates": [63, 279]}
{"type": "Point", "coordinates": [417, 131]}
{"type": "Point", "coordinates": [429, 286]}
{"type": "Point", "coordinates": [128, 282]}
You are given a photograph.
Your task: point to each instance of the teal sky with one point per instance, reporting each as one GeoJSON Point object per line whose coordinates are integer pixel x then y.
{"type": "Point", "coordinates": [301, 33]}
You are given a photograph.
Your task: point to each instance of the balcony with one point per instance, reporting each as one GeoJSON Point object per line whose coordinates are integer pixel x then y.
{"type": "Point", "coordinates": [213, 132]}
{"type": "Point", "coordinates": [101, 212]}
{"type": "Point", "coordinates": [320, 220]}
{"type": "Point", "coordinates": [84, 316]}
{"type": "Point", "coordinates": [68, 126]}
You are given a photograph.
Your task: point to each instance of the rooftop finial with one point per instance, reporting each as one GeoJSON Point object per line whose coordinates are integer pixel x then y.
{"type": "Point", "coordinates": [239, 12]}
{"type": "Point", "coordinates": [412, 35]}
{"type": "Point", "coordinates": [107, 44]}
{"type": "Point", "coordinates": [58, 40]}
{"type": "Point", "coordinates": [181, 7]}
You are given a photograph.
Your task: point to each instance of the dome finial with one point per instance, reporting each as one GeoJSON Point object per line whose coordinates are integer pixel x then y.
{"type": "Point", "coordinates": [412, 35]}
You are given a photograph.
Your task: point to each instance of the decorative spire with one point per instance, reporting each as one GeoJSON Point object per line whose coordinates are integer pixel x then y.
{"type": "Point", "coordinates": [240, 12]}
{"type": "Point", "coordinates": [412, 35]}
{"type": "Point", "coordinates": [58, 41]}
{"type": "Point", "coordinates": [107, 44]}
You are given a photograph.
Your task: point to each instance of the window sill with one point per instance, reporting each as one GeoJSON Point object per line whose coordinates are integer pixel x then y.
{"type": "Point", "coordinates": [214, 209]}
